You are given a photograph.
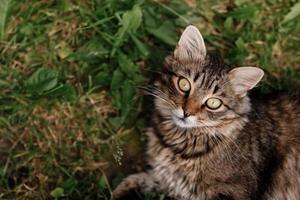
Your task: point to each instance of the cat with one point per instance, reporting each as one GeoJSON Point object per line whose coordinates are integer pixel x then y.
{"type": "Point", "coordinates": [208, 141]}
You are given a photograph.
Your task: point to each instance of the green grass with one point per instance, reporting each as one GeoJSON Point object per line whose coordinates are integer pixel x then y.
{"type": "Point", "coordinates": [70, 113]}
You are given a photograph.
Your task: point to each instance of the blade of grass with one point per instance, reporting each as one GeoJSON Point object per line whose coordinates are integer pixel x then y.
{"type": "Point", "coordinates": [295, 12]}
{"type": "Point", "coordinates": [171, 10]}
{"type": "Point", "coordinates": [4, 7]}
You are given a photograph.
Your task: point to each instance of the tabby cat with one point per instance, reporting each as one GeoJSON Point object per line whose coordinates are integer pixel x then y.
{"type": "Point", "coordinates": [209, 142]}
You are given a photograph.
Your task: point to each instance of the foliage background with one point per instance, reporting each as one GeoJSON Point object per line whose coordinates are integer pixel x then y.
{"type": "Point", "coordinates": [71, 117]}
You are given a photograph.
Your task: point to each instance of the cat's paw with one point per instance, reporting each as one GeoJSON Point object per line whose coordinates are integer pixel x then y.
{"type": "Point", "coordinates": [133, 182]}
{"type": "Point", "coordinates": [126, 195]}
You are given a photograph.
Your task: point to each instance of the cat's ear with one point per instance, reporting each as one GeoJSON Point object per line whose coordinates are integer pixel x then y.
{"type": "Point", "coordinates": [243, 79]}
{"type": "Point", "coordinates": [191, 45]}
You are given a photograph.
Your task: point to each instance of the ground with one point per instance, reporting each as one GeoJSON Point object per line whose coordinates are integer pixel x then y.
{"type": "Point", "coordinates": [71, 114]}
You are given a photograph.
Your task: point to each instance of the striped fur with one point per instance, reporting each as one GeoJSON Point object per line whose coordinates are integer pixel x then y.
{"type": "Point", "coordinates": [244, 150]}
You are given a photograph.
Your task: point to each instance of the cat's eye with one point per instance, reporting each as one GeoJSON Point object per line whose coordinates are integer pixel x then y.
{"type": "Point", "coordinates": [184, 85]}
{"type": "Point", "coordinates": [213, 103]}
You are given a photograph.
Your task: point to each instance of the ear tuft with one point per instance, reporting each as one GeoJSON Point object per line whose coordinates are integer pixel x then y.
{"type": "Point", "coordinates": [243, 79]}
{"type": "Point", "coordinates": [191, 45]}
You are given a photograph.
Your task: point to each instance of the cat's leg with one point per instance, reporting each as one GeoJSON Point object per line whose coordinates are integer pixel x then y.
{"type": "Point", "coordinates": [142, 181]}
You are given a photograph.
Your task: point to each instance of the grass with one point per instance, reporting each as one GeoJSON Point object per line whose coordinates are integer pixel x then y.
{"type": "Point", "coordinates": [71, 118]}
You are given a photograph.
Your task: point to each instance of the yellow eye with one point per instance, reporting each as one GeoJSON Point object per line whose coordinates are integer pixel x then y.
{"type": "Point", "coordinates": [184, 85]}
{"type": "Point", "coordinates": [213, 103]}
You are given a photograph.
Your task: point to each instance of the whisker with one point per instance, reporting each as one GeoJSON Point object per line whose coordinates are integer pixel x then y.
{"type": "Point", "coordinates": [227, 148]}
{"type": "Point", "coordinates": [235, 144]}
{"type": "Point", "coordinates": [160, 95]}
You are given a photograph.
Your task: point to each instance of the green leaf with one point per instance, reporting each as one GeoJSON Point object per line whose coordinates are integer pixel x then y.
{"type": "Point", "coordinates": [117, 80]}
{"type": "Point", "coordinates": [116, 99]}
{"type": "Point", "coordinates": [65, 5]}
{"type": "Point", "coordinates": [57, 192]}
{"type": "Point", "coordinates": [64, 50]}
{"type": "Point", "coordinates": [90, 52]}
{"type": "Point", "coordinates": [228, 23]}
{"type": "Point", "coordinates": [246, 12]}
{"type": "Point", "coordinates": [128, 92]}
{"type": "Point", "coordinates": [162, 197]}
{"type": "Point", "coordinates": [130, 22]}
{"type": "Point", "coordinates": [166, 33]}
{"type": "Point", "coordinates": [149, 17]}
{"type": "Point", "coordinates": [102, 183]}
{"type": "Point", "coordinates": [69, 185]}
{"type": "Point", "coordinates": [132, 19]}
{"type": "Point", "coordinates": [295, 11]}
{"type": "Point", "coordinates": [150, 196]}
{"type": "Point", "coordinates": [141, 47]}
{"type": "Point", "coordinates": [4, 9]}
{"type": "Point", "coordinates": [67, 92]}
{"type": "Point", "coordinates": [240, 44]}
{"type": "Point", "coordinates": [116, 121]}
{"type": "Point", "coordinates": [103, 78]}
{"type": "Point", "coordinates": [42, 80]}
{"type": "Point", "coordinates": [27, 29]}
{"type": "Point", "coordinates": [127, 66]}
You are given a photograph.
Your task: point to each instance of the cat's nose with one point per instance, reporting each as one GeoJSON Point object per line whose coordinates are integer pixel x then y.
{"type": "Point", "coordinates": [191, 106]}
{"type": "Point", "coordinates": [186, 114]}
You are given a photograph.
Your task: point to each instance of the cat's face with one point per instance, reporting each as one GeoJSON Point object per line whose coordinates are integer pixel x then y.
{"type": "Point", "coordinates": [197, 90]}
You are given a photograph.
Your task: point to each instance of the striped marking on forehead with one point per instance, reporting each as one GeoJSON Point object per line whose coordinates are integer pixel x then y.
{"type": "Point", "coordinates": [206, 81]}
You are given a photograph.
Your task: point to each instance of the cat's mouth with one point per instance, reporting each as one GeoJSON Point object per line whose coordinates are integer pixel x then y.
{"type": "Point", "coordinates": [185, 122]}
{"type": "Point", "coordinates": [192, 122]}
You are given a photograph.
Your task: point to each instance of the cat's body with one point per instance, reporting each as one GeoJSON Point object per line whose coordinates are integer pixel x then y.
{"type": "Point", "coordinates": [261, 161]}
{"type": "Point", "coordinates": [211, 143]}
